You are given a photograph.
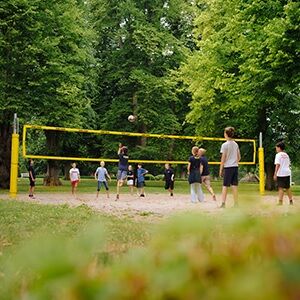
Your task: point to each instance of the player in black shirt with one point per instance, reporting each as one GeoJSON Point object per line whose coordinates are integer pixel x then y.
{"type": "Point", "coordinates": [31, 179]}
{"type": "Point", "coordinates": [130, 179]}
{"type": "Point", "coordinates": [122, 167]}
{"type": "Point", "coordinates": [169, 179]}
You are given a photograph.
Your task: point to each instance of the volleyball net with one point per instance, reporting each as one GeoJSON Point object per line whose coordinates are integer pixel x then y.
{"type": "Point", "coordinates": [173, 149]}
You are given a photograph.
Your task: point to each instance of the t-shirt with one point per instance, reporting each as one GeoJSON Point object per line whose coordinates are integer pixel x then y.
{"type": "Point", "coordinates": [283, 160]}
{"type": "Point", "coordinates": [123, 162]}
{"type": "Point", "coordinates": [74, 174]}
{"type": "Point", "coordinates": [231, 150]}
{"type": "Point", "coordinates": [204, 162]}
{"type": "Point", "coordinates": [130, 175]}
{"type": "Point", "coordinates": [101, 172]}
{"type": "Point", "coordinates": [168, 174]}
{"type": "Point", "coordinates": [140, 174]}
{"type": "Point", "coordinates": [195, 162]}
{"type": "Point", "coordinates": [31, 169]}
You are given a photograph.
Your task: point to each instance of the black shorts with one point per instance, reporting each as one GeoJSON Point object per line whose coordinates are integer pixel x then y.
{"type": "Point", "coordinates": [31, 183]}
{"type": "Point", "coordinates": [230, 176]}
{"type": "Point", "coordinates": [284, 182]}
{"type": "Point", "coordinates": [140, 184]}
{"type": "Point", "coordinates": [169, 185]}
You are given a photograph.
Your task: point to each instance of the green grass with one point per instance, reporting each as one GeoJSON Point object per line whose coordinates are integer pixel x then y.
{"type": "Point", "coordinates": [58, 252]}
{"type": "Point", "coordinates": [21, 221]}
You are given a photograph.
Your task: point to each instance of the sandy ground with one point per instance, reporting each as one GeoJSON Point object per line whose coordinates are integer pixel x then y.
{"type": "Point", "coordinates": [157, 205]}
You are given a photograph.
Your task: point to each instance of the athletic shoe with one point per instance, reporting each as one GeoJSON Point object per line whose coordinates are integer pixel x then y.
{"type": "Point", "coordinates": [222, 205]}
{"type": "Point", "coordinates": [171, 194]}
{"type": "Point", "coordinates": [279, 203]}
{"type": "Point", "coordinates": [214, 198]}
{"type": "Point", "coordinates": [142, 195]}
{"type": "Point", "coordinates": [117, 198]}
{"type": "Point", "coordinates": [291, 202]}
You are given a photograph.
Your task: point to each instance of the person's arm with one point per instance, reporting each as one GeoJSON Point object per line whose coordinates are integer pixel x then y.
{"type": "Point", "coordinates": [70, 174]}
{"type": "Point", "coordinates": [238, 155]}
{"type": "Point", "coordinates": [145, 172]}
{"type": "Point", "coordinates": [96, 175]}
{"type": "Point", "coordinates": [188, 168]}
{"type": "Point", "coordinates": [201, 168]}
{"type": "Point", "coordinates": [277, 166]}
{"type": "Point", "coordinates": [108, 176]}
{"type": "Point", "coordinates": [78, 175]}
{"type": "Point", "coordinates": [223, 158]}
{"type": "Point", "coordinates": [120, 148]}
{"type": "Point", "coordinates": [172, 177]}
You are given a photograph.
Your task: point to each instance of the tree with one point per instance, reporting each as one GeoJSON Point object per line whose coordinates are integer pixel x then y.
{"type": "Point", "coordinates": [246, 72]}
{"type": "Point", "coordinates": [46, 61]}
{"type": "Point", "coordinates": [139, 44]}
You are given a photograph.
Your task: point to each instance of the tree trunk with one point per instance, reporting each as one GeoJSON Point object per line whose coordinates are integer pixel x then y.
{"type": "Point", "coordinates": [52, 176]}
{"type": "Point", "coordinates": [67, 167]}
{"type": "Point", "coordinates": [5, 154]}
{"type": "Point", "coordinates": [270, 184]}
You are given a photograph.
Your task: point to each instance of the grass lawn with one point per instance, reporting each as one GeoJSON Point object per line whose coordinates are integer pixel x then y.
{"type": "Point", "coordinates": [152, 186]}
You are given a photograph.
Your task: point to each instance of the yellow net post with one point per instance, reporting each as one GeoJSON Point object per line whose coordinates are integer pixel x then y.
{"type": "Point", "coordinates": [14, 160]}
{"type": "Point", "coordinates": [261, 164]}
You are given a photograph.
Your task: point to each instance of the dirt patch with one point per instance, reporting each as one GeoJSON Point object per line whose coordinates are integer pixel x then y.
{"type": "Point", "coordinates": [156, 206]}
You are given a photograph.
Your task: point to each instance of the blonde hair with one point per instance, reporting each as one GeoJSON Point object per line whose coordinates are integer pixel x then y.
{"type": "Point", "coordinates": [202, 151]}
{"type": "Point", "coordinates": [195, 150]}
{"type": "Point", "coordinates": [102, 163]}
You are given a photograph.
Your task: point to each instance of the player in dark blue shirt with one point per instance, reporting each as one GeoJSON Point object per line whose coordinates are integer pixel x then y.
{"type": "Point", "coordinates": [122, 167]}
{"type": "Point", "coordinates": [169, 179]}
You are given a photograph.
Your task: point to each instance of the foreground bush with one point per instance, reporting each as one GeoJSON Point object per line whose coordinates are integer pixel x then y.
{"type": "Point", "coordinates": [233, 256]}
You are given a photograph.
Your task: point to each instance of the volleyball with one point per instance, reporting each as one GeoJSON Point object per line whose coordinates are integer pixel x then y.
{"type": "Point", "coordinates": [131, 118]}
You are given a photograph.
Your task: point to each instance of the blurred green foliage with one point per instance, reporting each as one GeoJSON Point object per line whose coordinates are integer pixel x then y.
{"type": "Point", "coordinates": [229, 255]}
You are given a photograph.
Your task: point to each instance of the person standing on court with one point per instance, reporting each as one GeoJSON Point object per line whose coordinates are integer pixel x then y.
{"type": "Point", "coordinates": [282, 173]}
{"type": "Point", "coordinates": [205, 175]}
{"type": "Point", "coordinates": [230, 157]}
{"type": "Point", "coordinates": [122, 168]}
{"type": "Point", "coordinates": [31, 172]}
{"type": "Point", "coordinates": [194, 171]}
{"type": "Point", "coordinates": [74, 178]}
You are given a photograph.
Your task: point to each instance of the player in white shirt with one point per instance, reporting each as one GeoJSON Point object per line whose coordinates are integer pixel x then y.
{"type": "Point", "coordinates": [282, 173]}
{"type": "Point", "coordinates": [74, 178]}
{"type": "Point", "coordinates": [229, 165]}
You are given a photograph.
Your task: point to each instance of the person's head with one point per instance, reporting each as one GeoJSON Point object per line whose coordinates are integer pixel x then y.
{"type": "Point", "coordinates": [167, 166]}
{"type": "Point", "coordinates": [201, 151]}
{"type": "Point", "coordinates": [124, 150]}
{"type": "Point", "coordinates": [280, 146]}
{"type": "Point", "coordinates": [139, 166]}
{"type": "Point", "coordinates": [102, 163]}
{"type": "Point", "coordinates": [195, 150]}
{"type": "Point", "coordinates": [130, 167]}
{"type": "Point", "coordinates": [31, 162]}
{"type": "Point", "coordinates": [229, 132]}
{"type": "Point", "coordinates": [73, 165]}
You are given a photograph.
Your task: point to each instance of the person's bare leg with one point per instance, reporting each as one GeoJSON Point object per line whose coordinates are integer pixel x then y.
{"type": "Point", "coordinates": [280, 195]}
{"type": "Point", "coordinates": [107, 193]}
{"type": "Point", "coordinates": [290, 195]}
{"type": "Point", "coordinates": [118, 190]}
{"type": "Point", "coordinates": [235, 194]}
{"type": "Point", "coordinates": [224, 195]}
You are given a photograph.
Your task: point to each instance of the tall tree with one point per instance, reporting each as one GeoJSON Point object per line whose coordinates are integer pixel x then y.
{"type": "Point", "coordinates": [246, 72]}
{"type": "Point", "coordinates": [139, 44]}
{"type": "Point", "coordinates": [46, 58]}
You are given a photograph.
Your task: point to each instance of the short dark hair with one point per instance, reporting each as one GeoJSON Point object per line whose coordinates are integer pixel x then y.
{"type": "Point", "coordinates": [229, 131]}
{"type": "Point", "coordinates": [281, 145]}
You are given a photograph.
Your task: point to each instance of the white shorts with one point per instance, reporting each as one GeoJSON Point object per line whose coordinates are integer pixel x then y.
{"type": "Point", "coordinates": [130, 182]}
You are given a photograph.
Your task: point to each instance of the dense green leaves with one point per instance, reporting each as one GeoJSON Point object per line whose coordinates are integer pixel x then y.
{"type": "Point", "coordinates": [246, 71]}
